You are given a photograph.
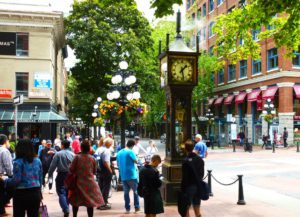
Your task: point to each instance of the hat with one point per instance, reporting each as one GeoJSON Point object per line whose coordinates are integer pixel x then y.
{"type": "Point", "coordinates": [49, 142]}
{"type": "Point", "coordinates": [137, 138]}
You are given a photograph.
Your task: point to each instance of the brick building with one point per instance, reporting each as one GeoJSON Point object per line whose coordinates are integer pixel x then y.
{"type": "Point", "coordinates": [241, 90]}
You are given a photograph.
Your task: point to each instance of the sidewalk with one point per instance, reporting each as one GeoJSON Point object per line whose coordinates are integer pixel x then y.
{"type": "Point", "coordinates": [270, 181]}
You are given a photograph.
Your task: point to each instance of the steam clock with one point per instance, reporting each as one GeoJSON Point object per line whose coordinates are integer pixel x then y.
{"type": "Point", "coordinates": [179, 75]}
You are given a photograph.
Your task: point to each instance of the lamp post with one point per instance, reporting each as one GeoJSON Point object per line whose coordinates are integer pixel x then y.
{"type": "Point", "coordinates": [210, 117]}
{"type": "Point", "coordinates": [123, 90]}
{"type": "Point", "coordinates": [96, 112]}
{"type": "Point", "coordinates": [269, 110]}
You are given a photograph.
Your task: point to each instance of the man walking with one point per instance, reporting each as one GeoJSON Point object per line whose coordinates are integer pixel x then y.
{"type": "Point", "coordinates": [127, 159]}
{"type": "Point", "coordinates": [61, 162]}
{"type": "Point", "coordinates": [200, 147]}
{"type": "Point", "coordinates": [285, 136]}
{"type": "Point", "coordinates": [105, 171]}
{"type": "Point", "coordinates": [46, 158]}
{"type": "Point", "coordinates": [6, 168]}
{"type": "Point", "coordinates": [136, 148]}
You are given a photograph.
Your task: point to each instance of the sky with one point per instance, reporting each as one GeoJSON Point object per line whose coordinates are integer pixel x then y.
{"type": "Point", "coordinates": [65, 6]}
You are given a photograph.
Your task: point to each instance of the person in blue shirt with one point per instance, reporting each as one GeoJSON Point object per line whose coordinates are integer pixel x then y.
{"type": "Point", "coordinates": [127, 161]}
{"type": "Point", "coordinates": [27, 178]}
{"type": "Point", "coordinates": [200, 147]}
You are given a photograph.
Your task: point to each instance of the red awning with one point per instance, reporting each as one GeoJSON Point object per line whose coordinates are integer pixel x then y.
{"type": "Point", "coordinates": [240, 98]}
{"type": "Point", "coordinates": [253, 96]}
{"type": "Point", "coordinates": [297, 91]}
{"type": "Point", "coordinates": [269, 93]}
{"type": "Point", "coordinates": [228, 100]}
{"type": "Point", "coordinates": [210, 101]}
{"type": "Point", "coordinates": [219, 100]}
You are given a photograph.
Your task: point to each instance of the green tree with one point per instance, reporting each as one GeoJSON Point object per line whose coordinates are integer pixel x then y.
{"type": "Point", "coordinates": [208, 66]}
{"type": "Point", "coordinates": [282, 18]}
{"type": "Point", "coordinates": [102, 33]}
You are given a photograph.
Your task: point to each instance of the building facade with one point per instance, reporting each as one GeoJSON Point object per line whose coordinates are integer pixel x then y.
{"type": "Point", "coordinates": [241, 90]}
{"type": "Point", "coordinates": [32, 56]}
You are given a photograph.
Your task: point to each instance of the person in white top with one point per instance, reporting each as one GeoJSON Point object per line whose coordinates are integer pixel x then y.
{"type": "Point", "coordinates": [151, 149]}
{"type": "Point", "coordinates": [57, 142]}
{"type": "Point", "coordinates": [136, 148]}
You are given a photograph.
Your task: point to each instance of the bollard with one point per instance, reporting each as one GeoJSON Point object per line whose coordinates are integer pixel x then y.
{"type": "Point", "coordinates": [273, 147]}
{"type": "Point", "coordinates": [233, 145]}
{"type": "Point", "coordinates": [241, 200]}
{"type": "Point", "coordinates": [297, 146]}
{"type": "Point", "coordinates": [209, 182]}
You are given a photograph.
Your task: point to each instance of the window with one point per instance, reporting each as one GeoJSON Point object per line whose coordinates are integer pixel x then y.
{"type": "Point", "coordinates": [255, 34]}
{"type": "Point", "coordinates": [256, 67]}
{"type": "Point", "coordinates": [231, 72]}
{"type": "Point", "coordinates": [204, 10]}
{"type": "Point", "coordinates": [204, 33]}
{"type": "Point", "coordinates": [230, 9]}
{"type": "Point", "coordinates": [22, 44]}
{"type": "Point", "coordinates": [210, 30]}
{"type": "Point", "coordinates": [211, 51]}
{"type": "Point", "coordinates": [221, 76]}
{"type": "Point", "coordinates": [22, 83]}
{"type": "Point", "coordinates": [193, 17]}
{"type": "Point", "coordinates": [272, 59]}
{"type": "Point", "coordinates": [199, 14]}
{"type": "Point", "coordinates": [188, 4]}
{"type": "Point", "coordinates": [243, 68]}
{"type": "Point", "coordinates": [242, 3]}
{"type": "Point", "coordinates": [199, 34]}
{"type": "Point", "coordinates": [220, 2]}
{"type": "Point", "coordinates": [296, 59]}
{"type": "Point", "coordinates": [212, 77]}
{"type": "Point", "coordinates": [211, 5]}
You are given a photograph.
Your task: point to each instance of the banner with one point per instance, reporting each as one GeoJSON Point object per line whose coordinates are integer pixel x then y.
{"type": "Point", "coordinates": [8, 43]}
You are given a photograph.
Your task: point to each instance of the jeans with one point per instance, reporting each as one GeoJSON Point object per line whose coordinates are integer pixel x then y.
{"type": "Point", "coordinates": [127, 185]}
{"type": "Point", "coordinates": [62, 192]}
{"type": "Point", "coordinates": [104, 184]}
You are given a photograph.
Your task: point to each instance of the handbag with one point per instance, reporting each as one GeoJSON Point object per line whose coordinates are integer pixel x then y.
{"type": "Point", "coordinates": [43, 212]}
{"type": "Point", "coordinates": [71, 179]}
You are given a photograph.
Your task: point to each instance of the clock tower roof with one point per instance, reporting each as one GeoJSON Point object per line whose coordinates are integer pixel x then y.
{"type": "Point", "coordinates": [179, 46]}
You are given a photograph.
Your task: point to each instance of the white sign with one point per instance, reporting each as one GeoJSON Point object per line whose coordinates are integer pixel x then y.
{"type": "Point", "coordinates": [18, 100]}
{"type": "Point", "coordinates": [42, 80]}
{"type": "Point", "coordinates": [39, 93]}
{"type": "Point", "coordinates": [233, 132]}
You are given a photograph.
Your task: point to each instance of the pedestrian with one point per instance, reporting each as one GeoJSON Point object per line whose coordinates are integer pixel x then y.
{"type": "Point", "coordinates": [138, 146]}
{"type": "Point", "coordinates": [200, 147]}
{"type": "Point", "coordinates": [127, 161]}
{"type": "Point", "coordinates": [62, 161]}
{"type": "Point", "coordinates": [57, 143]}
{"type": "Point", "coordinates": [265, 141]}
{"type": "Point", "coordinates": [69, 138]}
{"type": "Point", "coordinates": [6, 169]}
{"type": "Point", "coordinates": [285, 136]}
{"type": "Point", "coordinates": [27, 179]}
{"type": "Point", "coordinates": [151, 150]}
{"type": "Point", "coordinates": [41, 147]}
{"type": "Point", "coordinates": [189, 183]}
{"type": "Point", "coordinates": [87, 192]}
{"type": "Point", "coordinates": [150, 182]}
{"type": "Point", "coordinates": [76, 144]}
{"type": "Point", "coordinates": [105, 174]}
{"type": "Point", "coordinates": [36, 142]}
{"type": "Point", "coordinates": [46, 158]}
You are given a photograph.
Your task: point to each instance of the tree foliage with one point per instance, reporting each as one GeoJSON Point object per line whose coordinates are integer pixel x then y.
{"type": "Point", "coordinates": [282, 16]}
{"type": "Point", "coordinates": [163, 7]}
{"type": "Point", "coordinates": [102, 33]}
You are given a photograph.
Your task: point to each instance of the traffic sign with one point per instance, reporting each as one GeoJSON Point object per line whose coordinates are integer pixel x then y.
{"type": "Point", "coordinates": [18, 100]}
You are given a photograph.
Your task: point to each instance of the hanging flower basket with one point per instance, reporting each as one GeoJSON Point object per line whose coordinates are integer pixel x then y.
{"type": "Point", "coordinates": [268, 118]}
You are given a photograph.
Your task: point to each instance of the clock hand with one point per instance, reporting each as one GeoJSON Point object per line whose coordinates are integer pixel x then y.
{"type": "Point", "coordinates": [181, 71]}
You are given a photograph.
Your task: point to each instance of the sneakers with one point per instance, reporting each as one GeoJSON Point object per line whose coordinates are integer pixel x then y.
{"type": "Point", "coordinates": [104, 207]}
{"type": "Point", "coordinates": [137, 210]}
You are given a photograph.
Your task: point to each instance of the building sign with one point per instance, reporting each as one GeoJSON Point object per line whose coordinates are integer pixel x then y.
{"type": "Point", "coordinates": [42, 80]}
{"type": "Point", "coordinates": [233, 131]}
{"type": "Point", "coordinates": [7, 43]}
{"type": "Point", "coordinates": [4, 93]}
{"type": "Point", "coordinates": [39, 93]}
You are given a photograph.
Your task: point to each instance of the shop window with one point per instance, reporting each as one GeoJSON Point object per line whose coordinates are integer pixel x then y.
{"type": "Point", "coordinates": [256, 67]}
{"type": "Point", "coordinates": [231, 72]}
{"type": "Point", "coordinates": [243, 68]}
{"type": "Point", "coordinates": [296, 58]}
{"type": "Point", "coordinates": [22, 83]}
{"type": "Point", "coordinates": [22, 44]}
{"type": "Point", "coordinates": [211, 5]}
{"type": "Point", "coordinates": [204, 10]}
{"type": "Point", "coordinates": [210, 30]}
{"type": "Point", "coordinates": [221, 76]}
{"type": "Point", "coordinates": [272, 59]}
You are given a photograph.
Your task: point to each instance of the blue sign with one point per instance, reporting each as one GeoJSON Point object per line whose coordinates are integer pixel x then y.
{"type": "Point", "coordinates": [42, 83]}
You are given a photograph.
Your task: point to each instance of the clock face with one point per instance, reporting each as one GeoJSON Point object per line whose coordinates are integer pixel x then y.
{"type": "Point", "coordinates": [182, 70]}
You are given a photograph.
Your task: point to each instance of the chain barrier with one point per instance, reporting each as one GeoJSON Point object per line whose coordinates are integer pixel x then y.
{"type": "Point", "coordinates": [223, 183]}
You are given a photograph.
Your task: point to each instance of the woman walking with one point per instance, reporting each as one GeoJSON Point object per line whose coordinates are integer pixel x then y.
{"type": "Point", "coordinates": [86, 192]}
{"type": "Point", "coordinates": [27, 178]}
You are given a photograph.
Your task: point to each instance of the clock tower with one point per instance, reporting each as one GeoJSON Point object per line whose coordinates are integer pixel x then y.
{"type": "Point", "coordinates": [179, 75]}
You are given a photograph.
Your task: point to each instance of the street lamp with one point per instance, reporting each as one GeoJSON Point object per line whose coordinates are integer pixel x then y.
{"type": "Point", "coordinates": [269, 110]}
{"type": "Point", "coordinates": [124, 89]}
{"type": "Point", "coordinates": [210, 117]}
{"type": "Point", "coordinates": [96, 112]}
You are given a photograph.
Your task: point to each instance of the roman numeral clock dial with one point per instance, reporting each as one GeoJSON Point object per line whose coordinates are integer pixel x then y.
{"type": "Point", "coordinates": [182, 70]}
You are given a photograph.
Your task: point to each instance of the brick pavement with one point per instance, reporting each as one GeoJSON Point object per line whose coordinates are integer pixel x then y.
{"type": "Point", "coordinates": [266, 194]}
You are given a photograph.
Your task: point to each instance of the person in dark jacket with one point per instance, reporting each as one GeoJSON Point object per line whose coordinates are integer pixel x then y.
{"type": "Point", "coordinates": [149, 179]}
{"type": "Point", "coordinates": [189, 183]}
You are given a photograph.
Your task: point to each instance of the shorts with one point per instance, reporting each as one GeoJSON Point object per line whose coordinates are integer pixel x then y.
{"type": "Point", "coordinates": [193, 195]}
